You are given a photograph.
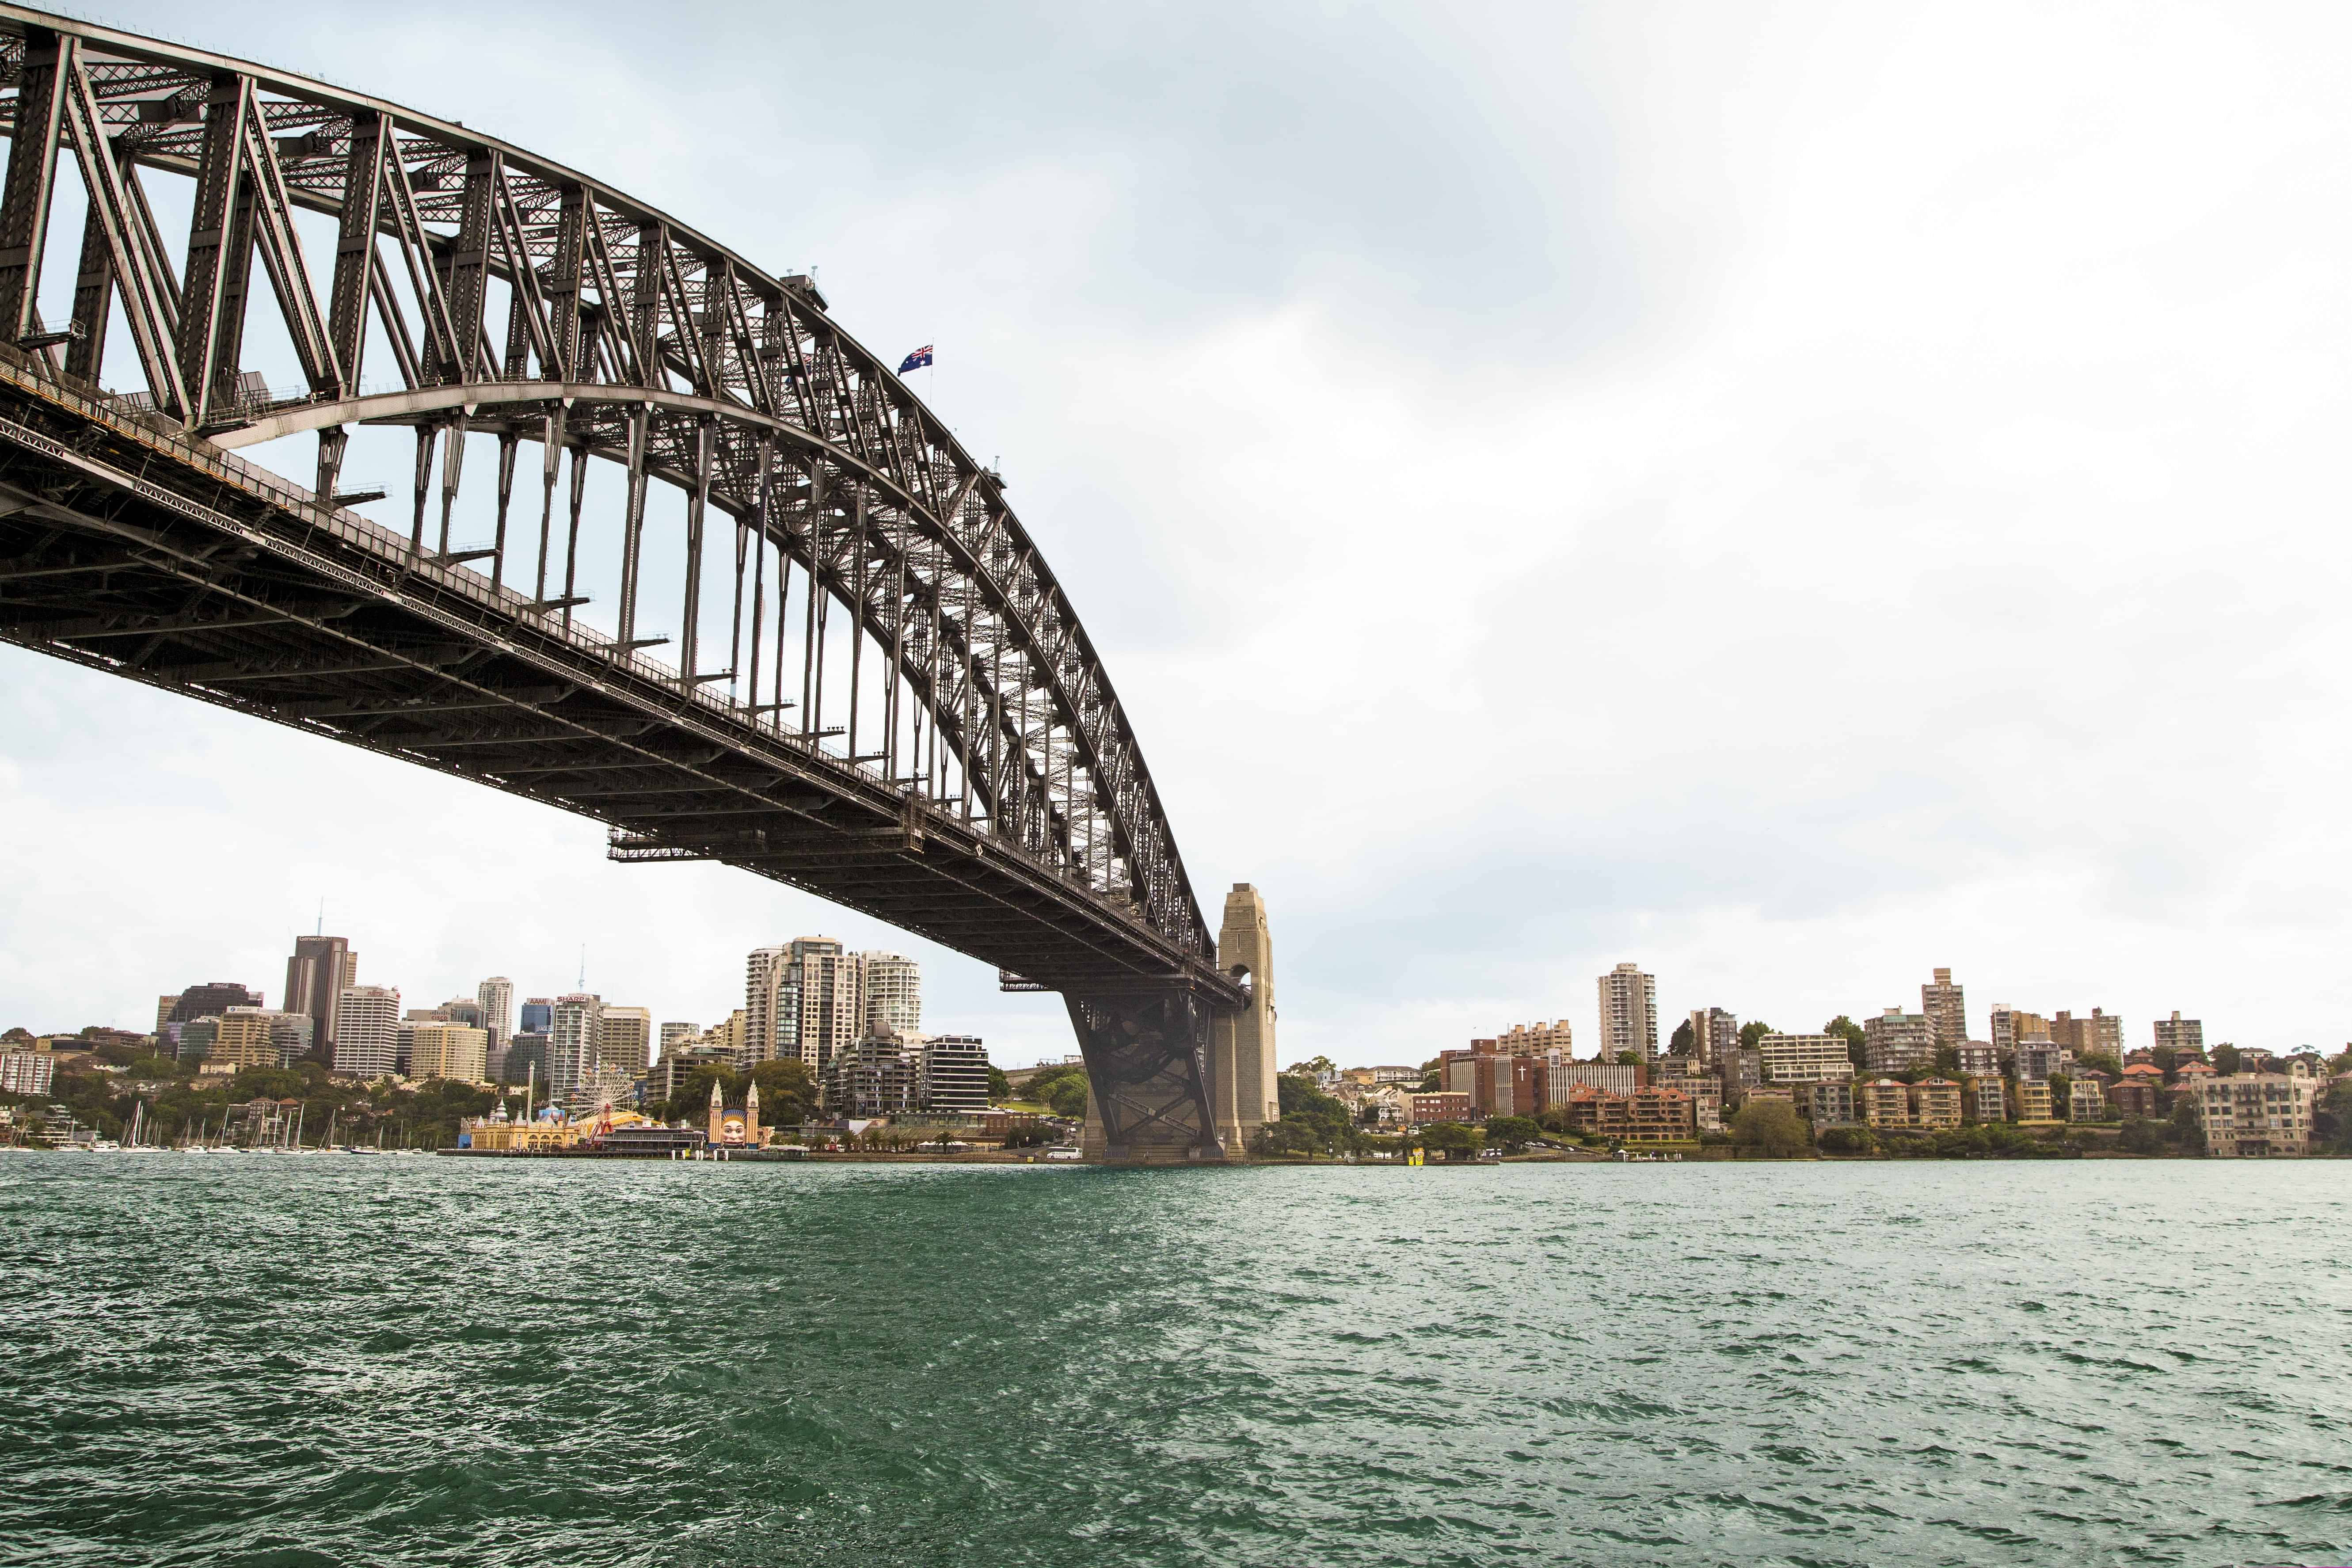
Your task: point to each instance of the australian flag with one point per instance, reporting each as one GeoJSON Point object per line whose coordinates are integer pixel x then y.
{"type": "Point", "coordinates": [916, 361]}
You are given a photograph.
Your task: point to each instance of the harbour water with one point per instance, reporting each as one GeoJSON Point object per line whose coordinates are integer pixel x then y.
{"type": "Point", "coordinates": [336, 1360]}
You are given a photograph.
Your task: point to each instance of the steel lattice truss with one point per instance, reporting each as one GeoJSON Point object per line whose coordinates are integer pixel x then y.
{"type": "Point", "coordinates": [486, 291]}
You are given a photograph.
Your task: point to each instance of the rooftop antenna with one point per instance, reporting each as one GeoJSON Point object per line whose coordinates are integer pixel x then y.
{"type": "Point", "coordinates": [583, 967]}
{"type": "Point", "coordinates": [322, 916]}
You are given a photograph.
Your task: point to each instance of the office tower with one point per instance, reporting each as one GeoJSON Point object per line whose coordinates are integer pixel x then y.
{"type": "Point", "coordinates": [163, 1005]}
{"type": "Point", "coordinates": [254, 1037]}
{"type": "Point", "coordinates": [1629, 1013]}
{"type": "Point", "coordinates": [2180, 1034]}
{"type": "Point", "coordinates": [496, 996]}
{"type": "Point", "coordinates": [573, 1037]}
{"type": "Point", "coordinates": [526, 1058]}
{"type": "Point", "coordinates": [1715, 1034]}
{"type": "Point", "coordinates": [464, 1010]}
{"type": "Point", "coordinates": [211, 1000]}
{"type": "Point", "coordinates": [1946, 1008]}
{"type": "Point", "coordinates": [321, 970]}
{"type": "Point", "coordinates": [458, 1051]}
{"type": "Point", "coordinates": [367, 1030]}
{"type": "Point", "coordinates": [538, 1016]}
{"type": "Point", "coordinates": [804, 1001]}
{"type": "Point", "coordinates": [2011, 1026]}
{"type": "Point", "coordinates": [624, 1040]}
{"type": "Point", "coordinates": [675, 1034]}
{"type": "Point", "coordinates": [1897, 1040]}
{"type": "Point", "coordinates": [894, 993]}
{"type": "Point", "coordinates": [1534, 1039]}
{"type": "Point", "coordinates": [1804, 1058]}
{"type": "Point", "coordinates": [955, 1073]}
{"type": "Point", "coordinates": [2101, 1033]}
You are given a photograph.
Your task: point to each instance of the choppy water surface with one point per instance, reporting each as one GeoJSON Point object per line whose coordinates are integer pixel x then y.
{"type": "Point", "coordinates": [343, 1360]}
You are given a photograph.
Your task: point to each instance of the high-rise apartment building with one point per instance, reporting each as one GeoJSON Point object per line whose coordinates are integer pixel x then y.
{"type": "Point", "coordinates": [538, 1016]}
{"type": "Point", "coordinates": [459, 1051]}
{"type": "Point", "coordinates": [574, 1036]}
{"type": "Point", "coordinates": [2180, 1034]}
{"type": "Point", "coordinates": [1629, 1013]}
{"type": "Point", "coordinates": [1895, 1041]}
{"type": "Point", "coordinates": [624, 1040]}
{"type": "Point", "coordinates": [1946, 1008]}
{"type": "Point", "coordinates": [954, 1073]}
{"type": "Point", "coordinates": [804, 1001]}
{"type": "Point", "coordinates": [1534, 1039]}
{"type": "Point", "coordinates": [524, 1060]}
{"type": "Point", "coordinates": [321, 970]}
{"type": "Point", "coordinates": [675, 1034]}
{"type": "Point", "coordinates": [367, 1031]}
{"type": "Point", "coordinates": [1804, 1058]}
{"type": "Point", "coordinates": [894, 993]}
{"type": "Point", "coordinates": [2011, 1025]}
{"type": "Point", "coordinates": [496, 996]}
{"type": "Point", "coordinates": [2101, 1033]}
{"type": "Point", "coordinates": [1715, 1034]}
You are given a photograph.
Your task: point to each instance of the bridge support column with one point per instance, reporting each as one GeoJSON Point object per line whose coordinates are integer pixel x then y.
{"type": "Point", "coordinates": [1242, 1069]}
{"type": "Point", "coordinates": [1147, 1077]}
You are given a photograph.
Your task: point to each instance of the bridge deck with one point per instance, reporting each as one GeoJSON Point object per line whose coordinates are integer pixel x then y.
{"type": "Point", "coordinates": [135, 549]}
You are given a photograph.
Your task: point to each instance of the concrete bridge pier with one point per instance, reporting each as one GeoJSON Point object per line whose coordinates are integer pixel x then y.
{"type": "Point", "coordinates": [1242, 1068]}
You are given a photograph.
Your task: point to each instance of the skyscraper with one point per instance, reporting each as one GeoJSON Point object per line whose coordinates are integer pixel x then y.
{"type": "Point", "coordinates": [496, 996]}
{"type": "Point", "coordinates": [894, 993]}
{"type": "Point", "coordinates": [675, 1033]}
{"type": "Point", "coordinates": [1946, 1008]}
{"type": "Point", "coordinates": [538, 1016]}
{"type": "Point", "coordinates": [804, 1000]}
{"type": "Point", "coordinates": [367, 1030]}
{"type": "Point", "coordinates": [1629, 1013]}
{"type": "Point", "coordinates": [574, 1036]}
{"type": "Point", "coordinates": [321, 970]}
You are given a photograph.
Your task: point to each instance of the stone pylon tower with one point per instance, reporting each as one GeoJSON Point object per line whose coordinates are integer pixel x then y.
{"type": "Point", "coordinates": [753, 1136]}
{"type": "Point", "coordinates": [1240, 1051]}
{"type": "Point", "coordinates": [715, 1111]}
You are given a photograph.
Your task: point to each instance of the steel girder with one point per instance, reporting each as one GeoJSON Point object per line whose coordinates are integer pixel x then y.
{"type": "Point", "coordinates": [543, 307]}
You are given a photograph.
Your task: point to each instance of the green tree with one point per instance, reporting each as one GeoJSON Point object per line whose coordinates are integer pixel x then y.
{"type": "Point", "coordinates": [1629, 1058]}
{"type": "Point", "coordinates": [2225, 1058]}
{"type": "Point", "coordinates": [1680, 1042]}
{"type": "Point", "coordinates": [1067, 1097]}
{"type": "Point", "coordinates": [1947, 1060]}
{"type": "Point", "coordinates": [1846, 1029]}
{"type": "Point", "coordinates": [1313, 1067]}
{"type": "Point", "coordinates": [1432, 1076]}
{"type": "Point", "coordinates": [1752, 1031]}
{"type": "Point", "coordinates": [1845, 1141]}
{"type": "Point", "coordinates": [788, 1092]}
{"type": "Point", "coordinates": [1770, 1128]}
{"type": "Point", "coordinates": [1000, 1087]}
{"type": "Point", "coordinates": [2099, 1061]}
{"type": "Point", "coordinates": [1451, 1139]}
{"type": "Point", "coordinates": [1512, 1133]}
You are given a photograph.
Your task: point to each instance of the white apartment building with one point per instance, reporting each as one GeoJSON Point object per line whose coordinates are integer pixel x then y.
{"type": "Point", "coordinates": [894, 993]}
{"type": "Point", "coordinates": [1896, 1040]}
{"type": "Point", "coordinates": [2180, 1034]}
{"type": "Point", "coordinates": [1805, 1058]}
{"type": "Point", "coordinates": [1980, 1059]}
{"type": "Point", "coordinates": [495, 996]}
{"type": "Point", "coordinates": [1629, 1013]}
{"type": "Point", "coordinates": [954, 1073]}
{"type": "Point", "coordinates": [574, 1032]}
{"type": "Point", "coordinates": [367, 1031]}
{"type": "Point", "coordinates": [1715, 1034]}
{"type": "Point", "coordinates": [804, 1000]}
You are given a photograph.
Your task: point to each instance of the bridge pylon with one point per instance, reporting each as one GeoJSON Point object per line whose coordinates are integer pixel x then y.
{"type": "Point", "coordinates": [1174, 1080]}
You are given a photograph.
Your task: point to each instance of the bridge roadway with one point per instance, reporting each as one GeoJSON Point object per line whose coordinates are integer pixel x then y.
{"type": "Point", "coordinates": [1009, 816]}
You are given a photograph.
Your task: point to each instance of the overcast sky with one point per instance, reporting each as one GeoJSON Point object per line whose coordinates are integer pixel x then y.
{"type": "Point", "coordinates": [1791, 496]}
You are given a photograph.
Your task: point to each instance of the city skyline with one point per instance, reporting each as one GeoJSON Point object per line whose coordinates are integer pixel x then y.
{"type": "Point", "coordinates": [1879, 807]}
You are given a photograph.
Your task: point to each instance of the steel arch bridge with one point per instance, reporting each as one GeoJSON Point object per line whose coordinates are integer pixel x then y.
{"type": "Point", "coordinates": [887, 700]}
